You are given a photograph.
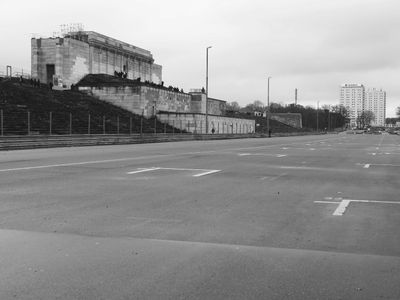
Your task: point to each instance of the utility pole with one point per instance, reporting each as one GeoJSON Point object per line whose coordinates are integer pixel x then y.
{"type": "Point", "coordinates": [317, 115]}
{"type": "Point", "coordinates": [207, 88]}
{"type": "Point", "coordinates": [268, 129]}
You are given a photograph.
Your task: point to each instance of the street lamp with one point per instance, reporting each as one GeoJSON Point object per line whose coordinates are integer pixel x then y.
{"type": "Point", "coordinates": [317, 115]}
{"type": "Point", "coordinates": [268, 130]}
{"type": "Point", "coordinates": [207, 88]}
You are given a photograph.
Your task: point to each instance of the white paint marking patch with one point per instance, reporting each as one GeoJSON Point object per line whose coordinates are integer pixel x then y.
{"type": "Point", "coordinates": [329, 202]}
{"type": "Point", "coordinates": [344, 203]}
{"type": "Point", "coordinates": [143, 170]}
{"type": "Point", "coordinates": [262, 154]}
{"type": "Point", "coordinates": [366, 166]}
{"type": "Point", "coordinates": [81, 163]}
{"type": "Point", "coordinates": [207, 173]}
{"type": "Point", "coordinates": [203, 173]}
{"type": "Point", "coordinates": [341, 208]}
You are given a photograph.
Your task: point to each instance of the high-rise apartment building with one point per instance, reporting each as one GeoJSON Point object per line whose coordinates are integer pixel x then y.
{"type": "Point", "coordinates": [352, 98]}
{"type": "Point", "coordinates": [356, 100]}
{"type": "Point", "coordinates": [375, 101]}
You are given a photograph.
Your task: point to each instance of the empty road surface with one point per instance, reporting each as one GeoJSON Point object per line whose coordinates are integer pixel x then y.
{"type": "Point", "coordinates": [314, 217]}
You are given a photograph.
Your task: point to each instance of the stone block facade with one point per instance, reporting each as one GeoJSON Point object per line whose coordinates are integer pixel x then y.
{"type": "Point", "coordinates": [70, 58]}
{"type": "Point", "coordinates": [215, 106]}
{"type": "Point", "coordinates": [196, 123]}
{"type": "Point", "coordinates": [291, 119]}
{"type": "Point", "coordinates": [140, 98]}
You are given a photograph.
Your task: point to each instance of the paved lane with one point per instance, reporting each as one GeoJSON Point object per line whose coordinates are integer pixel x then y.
{"type": "Point", "coordinates": [258, 222]}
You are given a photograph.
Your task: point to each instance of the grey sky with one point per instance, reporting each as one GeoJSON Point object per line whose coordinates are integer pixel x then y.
{"type": "Point", "coordinates": [312, 45]}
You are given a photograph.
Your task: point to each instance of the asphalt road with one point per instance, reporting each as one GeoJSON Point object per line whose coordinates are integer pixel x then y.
{"type": "Point", "coordinates": [313, 217]}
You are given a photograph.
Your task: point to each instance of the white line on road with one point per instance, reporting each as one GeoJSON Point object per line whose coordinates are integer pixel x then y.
{"type": "Point", "coordinates": [79, 163]}
{"type": "Point", "coordinates": [383, 165]}
{"type": "Point", "coordinates": [305, 168]}
{"type": "Point", "coordinates": [344, 203]}
{"type": "Point", "coordinates": [262, 154]}
{"type": "Point", "coordinates": [143, 170]}
{"type": "Point", "coordinates": [205, 171]}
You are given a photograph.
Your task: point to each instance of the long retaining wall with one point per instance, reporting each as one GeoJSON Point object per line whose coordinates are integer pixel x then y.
{"type": "Point", "coordinates": [34, 142]}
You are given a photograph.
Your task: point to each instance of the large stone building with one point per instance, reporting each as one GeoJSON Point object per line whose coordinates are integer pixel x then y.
{"type": "Point", "coordinates": [126, 76]}
{"type": "Point", "coordinates": [65, 60]}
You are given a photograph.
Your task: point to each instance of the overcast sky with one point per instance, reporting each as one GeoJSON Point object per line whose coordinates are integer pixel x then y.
{"type": "Point", "coordinates": [312, 45]}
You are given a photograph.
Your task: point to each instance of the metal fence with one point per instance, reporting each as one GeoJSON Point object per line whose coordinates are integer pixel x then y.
{"type": "Point", "coordinates": [23, 122]}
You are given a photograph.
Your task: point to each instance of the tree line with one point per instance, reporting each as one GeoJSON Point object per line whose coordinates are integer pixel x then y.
{"type": "Point", "coordinates": [324, 118]}
{"type": "Point", "coordinates": [328, 117]}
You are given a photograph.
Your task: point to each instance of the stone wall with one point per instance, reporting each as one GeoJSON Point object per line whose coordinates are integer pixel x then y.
{"type": "Point", "coordinates": [196, 123]}
{"type": "Point", "coordinates": [107, 61]}
{"type": "Point", "coordinates": [159, 99]}
{"type": "Point", "coordinates": [291, 119]}
{"type": "Point", "coordinates": [141, 99]}
{"type": "Point", "coordinates": [215, 106]}
{"type": "Point", "coordinates": [43, 51]}
{"type": "Point", "coordinates": [126, 97]}
{"type": "Point", "coordinates": [72, 61]}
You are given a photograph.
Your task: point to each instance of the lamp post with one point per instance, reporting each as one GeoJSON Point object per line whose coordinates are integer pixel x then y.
{"type": "Point", "coordinates": [317, 115]}
{"type": "Point", "coordinates": [207, 88]}
{"type": "Point", "coordinates": [268, 129]}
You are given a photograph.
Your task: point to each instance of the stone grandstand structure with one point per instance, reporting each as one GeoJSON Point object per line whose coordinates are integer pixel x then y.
{"type": "Point", "coordinates": [186, 111]}
{"type": "Point", "coordinates": [67, 59]}
{"type": "Point", "coordinates": [126, 76]}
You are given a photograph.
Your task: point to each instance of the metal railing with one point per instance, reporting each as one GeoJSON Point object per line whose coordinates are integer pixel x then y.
{"type": "Point", "coordinates": [24, 122]}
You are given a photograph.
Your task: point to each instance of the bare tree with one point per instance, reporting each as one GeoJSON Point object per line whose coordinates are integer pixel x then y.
{"type": "Point", "coordinates": [365, 118]}
{"type": "Point", "coordinates": [232, 106]}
